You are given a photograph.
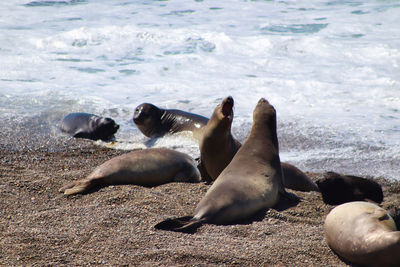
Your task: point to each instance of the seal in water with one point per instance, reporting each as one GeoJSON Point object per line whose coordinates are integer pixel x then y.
{"type": "Point", "coordinates": [89, 126]}
{"type": "Point", "coordinates": [338, 189]}
{"type": "Point", "coordinates": [250, 183]}
{"type": "Point", "coordinates": [363, 233]}
{"type": "Point", "coordinates": [218, 147]}
{"type": "Point", "coordinates": [148, 167]}
{"type": "Point", "coordinates": [153, 121]}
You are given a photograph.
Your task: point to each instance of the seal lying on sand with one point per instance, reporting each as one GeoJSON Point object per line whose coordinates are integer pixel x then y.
{"type": "Point", "coordinates": [363, 233]}
{"type": "Point", "coordinates": [218, 147]}
{"type": "Point", "coordinates": [337, 189]}
{"type": "Point", "coordinates": [89, 126]}
{"type": "Point", "coordinates": [250, 183]}
{"type": "Point", "coordinates": [149, 167]}
{"type": "Point", "coordinates": [155, 122]}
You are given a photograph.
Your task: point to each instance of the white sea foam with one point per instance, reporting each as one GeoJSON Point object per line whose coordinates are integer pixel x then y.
{"type": "Point", "coordinates": [331, 69]}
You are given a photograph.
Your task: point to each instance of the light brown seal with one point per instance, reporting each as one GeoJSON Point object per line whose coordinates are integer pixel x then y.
{"type": "Point", "coordinates": [153, 121]}
{"type": "Point", "coordinates": [148, 167]}
{"type": "Point", "coordinates": [363, 233]}
{"type": "Point", "coordinates": [218, 147]}
{"type": "Point", "coordinates": [250, 183]}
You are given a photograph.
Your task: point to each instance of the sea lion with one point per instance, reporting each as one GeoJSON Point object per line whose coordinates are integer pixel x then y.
{"type": "Point", "coordinates": [363, 233]}
{"type": "Point", "coordinates": [89, 126]}
{"type": "Point", "coordinates": [153, 121]}
{"type": "Point", "coordinates": [337, 189]}
{"type": "Point", "coordinates": [218, 147]}
{"type": "Point", "coordinates": [251, 182]}
{"type": "Point", "coordinates": [148, 167]}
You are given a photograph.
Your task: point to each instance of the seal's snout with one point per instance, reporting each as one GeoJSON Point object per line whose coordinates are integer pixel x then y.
{"type": "Point", "coordinates": [263, 101]}
{"type": "Point", "coordinates": [227, 106]}
{"type": "Point", "coordinates": [137, 118]}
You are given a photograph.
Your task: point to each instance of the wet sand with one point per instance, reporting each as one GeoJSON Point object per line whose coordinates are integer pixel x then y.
{"type": "Point", "coordinates": [114, 225]}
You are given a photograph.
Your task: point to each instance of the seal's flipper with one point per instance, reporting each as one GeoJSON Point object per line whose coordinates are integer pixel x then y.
{"type": "Point", "coordinates": [76, 187]}
{"type": "Point", "coordinates": [290, 196]}
{"type": "Point", "coordinates": [203, 172]}
{"type": "Point", "coordinates": [284, 193]}
{"type": "Point", "coordinates": [184, 224]}
{"type": "Point", "coordinates": [65, 187]}
{"type": "Point", "coordinates": [81, 134]}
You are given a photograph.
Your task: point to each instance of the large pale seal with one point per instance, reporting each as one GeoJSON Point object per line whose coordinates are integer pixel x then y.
{"type": "Point", "coordinates": [148, 167]}
{"type": "Point", "coordinates": [89, 126]}
{"type": "Point", "coordinates": [153, 121]}
{"type": "Point", "coordinates": [218, 147]}
{"type": "Point", "coordinates": [250, 183]}
{"type": "Point", "coordinates": [337, 189]}
{"type": "Point", "coordinates": [363, 233]}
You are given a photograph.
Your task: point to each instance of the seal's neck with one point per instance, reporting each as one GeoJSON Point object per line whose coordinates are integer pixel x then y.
{"type": "Point", "coordinates": [265, 134]}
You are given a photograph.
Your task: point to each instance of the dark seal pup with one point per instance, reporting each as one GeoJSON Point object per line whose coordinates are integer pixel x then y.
{"type": "Point", "coordinates": [250, 183]}
{"type": "Point", "coordinates": [338, 189]}
{"type": "Point", "coordinates": [218, 147]}
{"type": "Point", "coordinates": [363, 233]}
{"type": "Point", "coordinates": [153, 121]}
{"type": "Point", "coordinates": [89, 126]}
{"type": "Point", "coordinates": [148, 167]}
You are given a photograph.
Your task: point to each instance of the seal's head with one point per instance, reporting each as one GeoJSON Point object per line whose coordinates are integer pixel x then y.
{"type": "Point", "coordinates": [223, 115]}
{"type": "Point", "coordinates": [104, 128]}
{"type": "Point", "coordinates": [264, 119]}
{"type": "Point", "coordinates": [264, 111]}
{"type": "Point", "coordinates": [147, 118]}
{"type": "Point", "coordinates": [226, 108]}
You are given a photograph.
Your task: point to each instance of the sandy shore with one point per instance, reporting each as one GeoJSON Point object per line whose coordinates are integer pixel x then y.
{"type": "Point", "coordinates": [114, 226]}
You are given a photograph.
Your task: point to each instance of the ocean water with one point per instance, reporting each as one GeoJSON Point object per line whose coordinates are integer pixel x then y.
{"type": "Point", "coordinates": [330, 68]}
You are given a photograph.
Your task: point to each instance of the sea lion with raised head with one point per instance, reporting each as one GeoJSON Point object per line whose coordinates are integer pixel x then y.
{"type": "Point", "coordinates": [148, 167]}
{"type": "Point", "coordinates": [338, 189]}
{"type": "Point", "coordinates": [89, 126]}
{"type": "Point", "coordinates": [153, 121]}
{"type": "Point", "coordinates": [250, 183]}
{"type": "Point", "coordinates": [218, 147]}
{"type": "Point", "coordinates": [363, 233]}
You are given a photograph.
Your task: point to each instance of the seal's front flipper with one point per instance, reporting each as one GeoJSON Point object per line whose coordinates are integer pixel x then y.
{"type": "Point", "coordinates": [81, 134]}
{"type": "Point", "coordinates": [203, 172]}
{"type": "Point", "coordinates": [184, 224]}
{"type": "Point", "coordinates": [290, 196]}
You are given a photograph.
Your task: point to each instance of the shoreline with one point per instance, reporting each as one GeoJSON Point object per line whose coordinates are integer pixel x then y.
{"type": "Point", "coordinates": [115, 225]}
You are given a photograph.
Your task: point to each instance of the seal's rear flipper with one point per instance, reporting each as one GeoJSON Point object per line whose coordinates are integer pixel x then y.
{"type": "Point", "coordinates": [184, 224]}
